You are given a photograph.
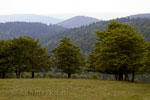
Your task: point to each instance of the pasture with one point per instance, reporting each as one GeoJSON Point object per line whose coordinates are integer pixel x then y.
{"type": "Point", "coordinates": [72, 89]}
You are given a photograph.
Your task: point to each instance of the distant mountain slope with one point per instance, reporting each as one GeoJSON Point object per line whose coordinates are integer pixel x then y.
{"type": "Point", "coordinates": [78, 21]}
{"type": "Point", "coordinates": [36, 30]}
{"type": "Point", "coordinates": [29, 18]}
{"type": "Point", "coordinates": [146, 15]}
{"type": "Point", "coordinates": [85, 37]}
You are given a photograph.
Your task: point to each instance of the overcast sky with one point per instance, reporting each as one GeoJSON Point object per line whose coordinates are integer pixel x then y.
{"type": "Point", "coordinates": [102, 9]}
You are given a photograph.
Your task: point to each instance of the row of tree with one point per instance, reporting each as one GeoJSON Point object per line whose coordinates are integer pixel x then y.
{"type": "Point", "coordinates": [24, 54]}
{"type": "Point", "coordinates": [119, 50]}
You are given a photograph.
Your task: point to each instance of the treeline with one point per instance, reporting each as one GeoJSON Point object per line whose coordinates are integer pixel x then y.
{"type": "Point", "coordinates": [119, 50]}
{"type": "Point", "coordinates": [84, 37]}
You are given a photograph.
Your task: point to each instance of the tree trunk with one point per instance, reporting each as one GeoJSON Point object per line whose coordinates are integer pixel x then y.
{"type": "Point", "coordinates": [69, 76]}
{"type": "Point", "coordinates": [133, 75]}
{"type": "Point", "coordinates": [116, 76]}
{"type": "Point", "coordinates": [120, 76]}
{"type": "Point", "coordinates": [32, 74]}
{"type": "Point", "coordinates": [3, 74]}
{"type": "Point", "coordinates": [126, 77]}
{"type": "Point", "coordinates": [18, 74]}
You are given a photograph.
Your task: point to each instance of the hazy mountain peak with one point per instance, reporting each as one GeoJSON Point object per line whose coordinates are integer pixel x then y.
{"type": "Point", "coordinates": [78, 21]}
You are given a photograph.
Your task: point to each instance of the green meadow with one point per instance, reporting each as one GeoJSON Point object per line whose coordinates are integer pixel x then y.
{"type": "Point", "coordinates": [72, 89]}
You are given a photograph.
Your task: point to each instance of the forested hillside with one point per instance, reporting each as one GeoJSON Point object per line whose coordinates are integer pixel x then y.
{"type": "Point", "coordinates": [85, 36]}
{"type": "Point", "coordinates": [146, 15]}
{"type": "Point", "coordinates": [36, 30]}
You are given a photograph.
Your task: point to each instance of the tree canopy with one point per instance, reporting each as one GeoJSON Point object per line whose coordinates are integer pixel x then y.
{"type": "Point", "coordinates": [118, 50]}
{"type": "Point", "coordinates": [68, 57]}
{"type": "Point", "coordinates": [23, 54]}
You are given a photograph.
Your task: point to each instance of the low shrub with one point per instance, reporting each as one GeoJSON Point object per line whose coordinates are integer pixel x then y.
{"type": "Point", "coordinates": [75, 76]}
{"type": "Point", "coordinates": [59, 75]}
{"type": "Point", "coordinates": [38, 75]}
{"type": "Point", "coordinates": [45, 75]}
{"type": "Point", "coordinates": [94, 76]}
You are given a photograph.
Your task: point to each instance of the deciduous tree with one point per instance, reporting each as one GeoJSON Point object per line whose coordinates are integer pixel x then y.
{"type": "Point", "coordinates": [67, 57]}
{"type": "Point", "coordinates": [119, 50]}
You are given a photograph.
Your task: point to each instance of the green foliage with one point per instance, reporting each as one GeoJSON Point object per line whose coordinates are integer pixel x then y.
{"type": "Point", "coordinates": [28, 55]}
{"type": "Point", "coordinates": [94, 76]}
{"type": "Point", "coordinates": [25, 75]}
{"type": "Point", "coordinates": [90, 63]}
{"type": "Point", "coordinates": [5, 56]}
{"type": "Point", "coordinates": [75, 76]}
{"type": "Point", "coordinates": [67, 57]}
{"type": "Point", "coordinates": [10, 75]}
{"type": "Point", "coordinates": [39, 75]}
{"type": "Point", "coordinates": [119, 49]}
{"type": "Point", "coordinates": [51, 75]}
{"type": "Point", "coordinates": [23, 54]}
{"type": "Point", "coordinates": [36, 30]}
{"type": "Point", "coordinates": [45, 75]}
{"type": "Point", "coordinates": [85, 36]}
{"type": "Point", "coordinates": [59, 75]}
{"type": "Point", "coordinates": [84, 76]}
{"type": "Point", "coordinates": [146, 60]}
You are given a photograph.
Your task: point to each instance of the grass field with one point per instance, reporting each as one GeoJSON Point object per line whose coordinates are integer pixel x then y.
{"type": "Point", "coordinates": [72, 89]}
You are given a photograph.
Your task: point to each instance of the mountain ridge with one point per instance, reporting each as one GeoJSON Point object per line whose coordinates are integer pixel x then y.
{"type": "Point", "coordinates": [144, 15]}
{"type": "Point", "coordinates": [35, 30]}
{"type": "Point", "coordinates": [77, 21]}
{"type": "Point", "coordinates": [84, 36]}
{"type": "Point", "coordinates": [29, 18]}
